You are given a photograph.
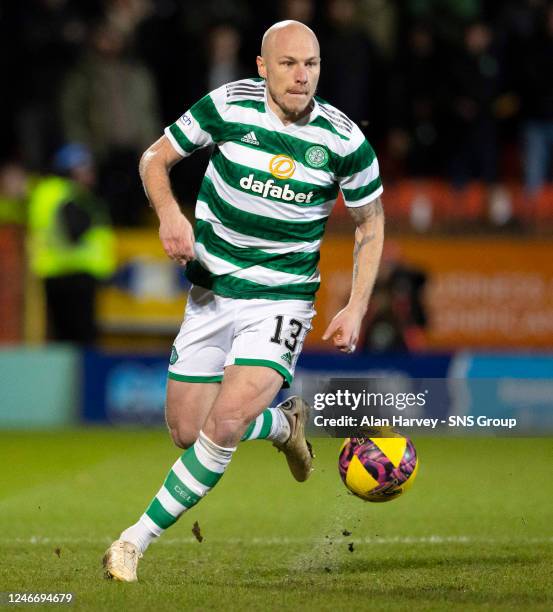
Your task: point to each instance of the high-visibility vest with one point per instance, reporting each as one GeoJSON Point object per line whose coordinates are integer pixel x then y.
{"type": "Point", "coordinates": [51, 252]}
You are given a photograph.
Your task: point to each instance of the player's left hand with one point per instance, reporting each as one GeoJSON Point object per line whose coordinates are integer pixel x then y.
{"type": "Point", "coordinates": [344, 329]}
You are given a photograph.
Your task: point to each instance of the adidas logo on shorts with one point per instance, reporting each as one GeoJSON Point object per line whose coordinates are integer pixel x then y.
{"type": "Point", "coordinates": [287, 357]}
{"type": "Point", "coordinates": [250, 138]}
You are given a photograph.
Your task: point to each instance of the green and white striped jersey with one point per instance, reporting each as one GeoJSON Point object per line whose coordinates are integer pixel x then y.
{"type": "Point", "coordinates": [268, 190]}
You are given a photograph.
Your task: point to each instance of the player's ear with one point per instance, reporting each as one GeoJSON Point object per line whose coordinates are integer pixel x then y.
{"type": "Point", "coordinates": [261, 69]}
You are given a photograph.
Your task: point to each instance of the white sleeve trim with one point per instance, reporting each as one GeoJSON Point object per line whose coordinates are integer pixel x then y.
{"type": "Point", "coordinates": [365, 200]}
{"type": "Point", "coordinates": [174, 142]}
{"type": "Point", "coordinates": [363, 177]}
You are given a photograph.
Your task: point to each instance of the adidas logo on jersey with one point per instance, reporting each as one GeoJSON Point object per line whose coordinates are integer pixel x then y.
{"type": "Point", "coordinates": [268, 188]}
{"type": "Point", "coordinates": [250, 138]}
{"type": "Point", "coordinates": [287, 357]}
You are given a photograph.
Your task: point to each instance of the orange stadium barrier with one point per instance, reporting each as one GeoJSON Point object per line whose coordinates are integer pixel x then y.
{"type": "Point", "coordinates": [480, 292]}
{"type": "Point", "coordinates": [12, 280]}
{"type": "Point", "coordinates": [434, 204]}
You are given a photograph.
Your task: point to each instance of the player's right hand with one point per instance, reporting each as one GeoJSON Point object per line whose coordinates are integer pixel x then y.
{"type": "Point", "coordinates": [344, 329]}
{"type": "Point", "coordinates": [177, 237]}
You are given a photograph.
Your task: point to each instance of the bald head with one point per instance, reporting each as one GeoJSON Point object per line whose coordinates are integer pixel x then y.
{"type": "Point", "coordinates": [290, 64]}
{"type": "Point", "coordinates": [281, 34]}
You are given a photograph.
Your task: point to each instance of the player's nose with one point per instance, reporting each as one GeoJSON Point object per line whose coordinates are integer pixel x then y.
{"type": "Point", "coordinates": [300, 75]}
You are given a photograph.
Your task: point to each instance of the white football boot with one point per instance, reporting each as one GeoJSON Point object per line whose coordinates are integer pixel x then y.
{"type": "Point", "coordinates": [297, 449]}
{"type": "Point", "coordinates": [120, 561]}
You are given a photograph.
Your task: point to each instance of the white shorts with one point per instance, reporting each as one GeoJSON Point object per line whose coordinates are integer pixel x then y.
{"type": "Point", "coordinates": [219, 331]}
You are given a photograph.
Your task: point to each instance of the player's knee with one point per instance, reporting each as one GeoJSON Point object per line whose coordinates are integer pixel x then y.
{"type": "Point", "coordinates": [183, 437]}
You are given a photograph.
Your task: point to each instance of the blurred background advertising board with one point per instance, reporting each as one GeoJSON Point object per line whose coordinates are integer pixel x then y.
{"type": "Point", "coordinates": [451, 292]}
{"type": "Point", "coordinates": [148, 291]}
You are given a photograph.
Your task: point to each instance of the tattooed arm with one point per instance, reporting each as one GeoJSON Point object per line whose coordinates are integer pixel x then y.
{"type": "Point", "coordinates": [369, 237]}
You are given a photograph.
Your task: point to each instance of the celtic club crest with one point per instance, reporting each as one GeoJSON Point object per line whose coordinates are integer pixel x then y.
{"type": "Point", "coordinates": [316, 156]}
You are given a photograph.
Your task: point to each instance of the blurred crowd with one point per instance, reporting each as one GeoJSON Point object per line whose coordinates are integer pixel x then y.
{"type": "Point", "coordinates": [457, 89]}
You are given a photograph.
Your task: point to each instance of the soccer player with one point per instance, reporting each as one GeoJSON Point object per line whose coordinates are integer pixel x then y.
{"type": "Point", "coordinates": [281, 155]}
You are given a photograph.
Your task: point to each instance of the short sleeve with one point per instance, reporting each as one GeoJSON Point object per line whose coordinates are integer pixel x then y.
{"type": "Point", "coordinates": [359, 175]}
{"type": "Point", "coordinates": [200, 126]}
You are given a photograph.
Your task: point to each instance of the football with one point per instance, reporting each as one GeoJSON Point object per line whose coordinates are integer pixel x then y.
{"type": "Point", "coordinates": [378, 469]}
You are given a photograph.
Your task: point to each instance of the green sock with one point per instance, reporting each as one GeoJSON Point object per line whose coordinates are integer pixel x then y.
{"type": "Point", "coordinates": [197, 471]}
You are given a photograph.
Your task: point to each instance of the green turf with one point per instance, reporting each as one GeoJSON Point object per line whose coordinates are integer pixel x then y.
{"type": "Point", "coordinates": [475, 532]}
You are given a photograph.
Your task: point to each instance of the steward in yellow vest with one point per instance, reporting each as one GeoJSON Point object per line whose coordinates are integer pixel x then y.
{"type": "Point", "coordinates": [69, 230]}
{"type": "Point", "coordinates": [71, 244]}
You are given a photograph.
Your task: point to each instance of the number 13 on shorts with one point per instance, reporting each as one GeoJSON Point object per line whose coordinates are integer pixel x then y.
{"type": "Point", "coordinates": [295, 328]}
{"type": "Point", "coordinates": [276, 341]}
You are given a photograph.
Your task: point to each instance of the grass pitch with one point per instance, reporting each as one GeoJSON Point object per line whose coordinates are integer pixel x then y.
{"type": "Point", "coordinates": [475, 532]}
